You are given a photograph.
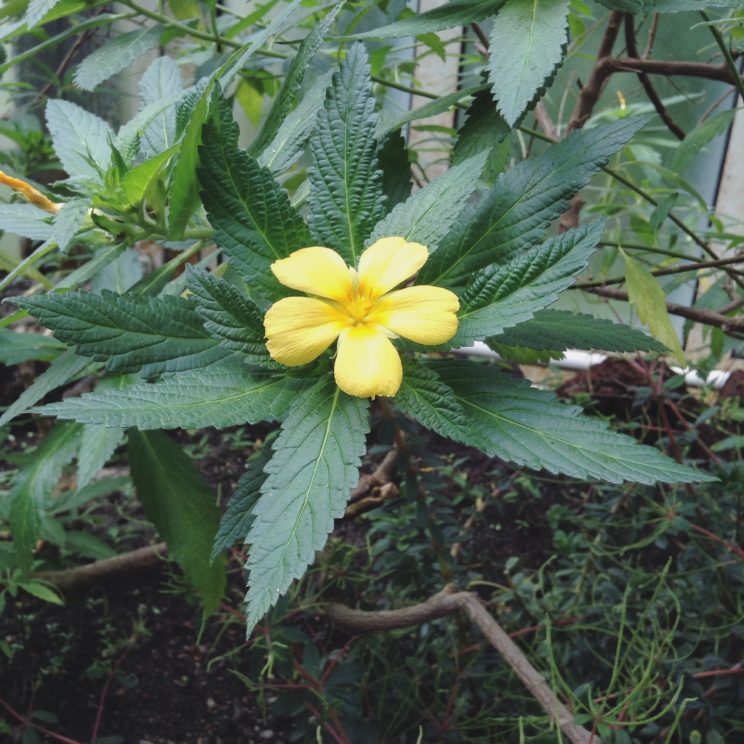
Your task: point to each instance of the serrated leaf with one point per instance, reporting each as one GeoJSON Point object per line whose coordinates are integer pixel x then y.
{"type": "Point", "coordinates": [34, 483]}
{"type": "Point", "coordinates": [17, 347]}
{"type": "Point", "coordinates": [251, 214]}
{"type": "Point", "coordinates": [290, 139]}
{"type": "Point", "coordinates": [507, 418]}
{"type": "Point", "coordinates": [97, 445]}
{"type": "Point", "coordinates": [286, 97]}
{"type": "Point", "coordinates": [225, 395]}
{"type": "Point", "coordinates": [237, 519]}
{"type": "Point", "coordinates": [61, 371]}
{"type": "Point", "coordinates": [523, 202]}
{"type": "Point", "coordinates": [37, 9]}
{"type": "Point", "coordinates": [69, 220]}
{"type": "Point", "coordinates": [116, 55]}
{"type": "Point", "coordinates": [424, 397]}
{"type": "Point", "coordinates": [310, 477]}
{"type": "Point", "coordinates": [502, 296]}
{"type": "Point", "coordinates": [81, 140]}
{"type": "Point", "coordinates": [26, 220]}
{"type": "Point", "coordinates": [230, 317]}
{"type": "Point", "coordinates": [453, 13]}
{"type": "Point", "coordinates": [428, 215]}
{"type": "Point", "coordinates": [551, 332]}
{"type": "Point", "coordinates": [346, 199]}
{"type": "Point", "coordinates": [396, 170]}
{"type": "Point", "coordinates": [161, 81]}
{"type": "Point", "coordinates": [182, 507]}
{"type": "Point", "coordinates": [648, 299]}
{"type": "Point", "coordinates": [128, 332]}
{"type": "Point", "coordinates": [527, 42]}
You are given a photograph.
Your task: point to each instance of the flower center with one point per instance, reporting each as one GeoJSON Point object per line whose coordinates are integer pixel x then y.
{"type": "Point", "coordinates": [359, 305]}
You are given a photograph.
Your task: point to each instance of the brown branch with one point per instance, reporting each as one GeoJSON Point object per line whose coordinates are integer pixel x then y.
{"type": "Point", "coordinates": [672, 68]}
{"type": "Point", "coordinates": [99, 572]}
{"type": "Point", "coordinates": [653, 96]}
{"type": "Point", "coordinates": [448, 602]}
{"type": "Point", "coordinates": [544, 120]}
{"type": "Point", "coordinates": [697, 314]}
{"type": "Point", "coordinates": [651, 36]}
{"type": "Point", "coordinates": [591, 92]}
{"type": "Point", "coordinates": [374, 489]}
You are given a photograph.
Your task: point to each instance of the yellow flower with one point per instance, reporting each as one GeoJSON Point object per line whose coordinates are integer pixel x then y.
{"type": "Point", "coordinates": [358, 308]}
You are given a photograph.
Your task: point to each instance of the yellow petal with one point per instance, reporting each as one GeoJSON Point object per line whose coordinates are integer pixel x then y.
{"type": "Point", "coordinates": [367, 364]}
{"type": "Point", "coordinates": [422, 314]}
{"type": "Point", "coordinates": [316, 271]}
{"type": "Point", "coordinates": [300, 329]}
{"type": "Point", "coordinates": [387, 263]}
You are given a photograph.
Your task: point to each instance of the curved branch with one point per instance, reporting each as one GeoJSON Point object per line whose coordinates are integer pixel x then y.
{"type": "Point", "coordinates": [447, 602]}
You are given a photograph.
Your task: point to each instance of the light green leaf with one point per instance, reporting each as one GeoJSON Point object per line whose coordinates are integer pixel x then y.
{"type": "Point", "coordinates": [527, 42]}
{"type": "Point", "coordinates": [138, 180]}
{"type": "Point", "coordinates": [97, 445]}
{"type": "Point", "coordinates": [502, 296]}
{"type": "Point", "coordinates": [115, 55]}
{"type": "Point", "coordinates": [61, 371]}
{"type": "Point", "coordinates": [182, 507]}
{"type": "Point", "coordinates": [701, 136]}
{"type": "Point", "coordinates": [128, 332]}
{"type": "Point", "coordinates": [507, 418]}
{"type": "Point", "coordinates": [225, 395]}
{"type": "Point", "coordinates": [230, 317]}
{"type": "Point", "coordinates": [26, 220]}
{"type": "Point", "coordinates": [514, 214]}
{"type": "Point", "coordinates": [286, 97]}
{"type": "Point", "coordinates": [237, 519]}
{"type": "Point", "coordinates": [551, 332]}
{"type": "Point", "coordinates": [68, 221]}
{"type": "Point", "coordinates": [161, 81]}
{"type": "Point", "coordinates": [119, 273]}
{"type": "Point", "coordinates": [42, 591]}
{"type": "Point", "coordinates": [17, 347]}
{"type": "Point", "coordinates": [453, 13]}
{"type": "Point", "coordinates": [37, 9]}
{"type": "Point", "coordinates": [81, 140]}
{"type": "Point", "coordinates": [429, 214]}
{"type": "Point", "coordinates": [310, 477]}
{"type": "Point", "coordinates": [253, 220]}
{"type": "Point", "coordinates": [346, 198]}
{"type": "Point", "coordinates": [34, 483]}
{"type": "Point", "coordinates": [648, 299]}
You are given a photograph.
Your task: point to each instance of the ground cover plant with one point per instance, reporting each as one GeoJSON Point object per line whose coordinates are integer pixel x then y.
{"type": "Point", "coordinates": [289, 280]}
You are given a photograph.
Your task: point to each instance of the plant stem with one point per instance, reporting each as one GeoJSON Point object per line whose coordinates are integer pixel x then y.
{"type": "Point", "coordinates": [730, 62]}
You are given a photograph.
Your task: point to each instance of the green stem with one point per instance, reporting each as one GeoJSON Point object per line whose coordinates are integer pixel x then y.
{"type": "Point", "coordinates": [730, 61]}
{"type": "Point", "coordinates": [646, 248]}
{"type": "Point", "coordinates": [41, 252]}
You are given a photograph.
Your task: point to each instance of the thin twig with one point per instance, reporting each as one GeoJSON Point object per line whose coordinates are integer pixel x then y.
{"type": "Point", "coordinates": [447, 602]}
{"type": "Point", "coordinates": [653, 96]}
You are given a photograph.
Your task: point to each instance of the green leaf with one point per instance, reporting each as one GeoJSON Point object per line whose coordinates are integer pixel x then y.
{"type": "Point", "coordinates": [161, 81]}
{"type": "Point", "coordinates": [223, 395]}
{"type": "Point", "coordinates": [551, 332]}
{"type": "Point", "coordinates": [396, 170]}
{"type": "Point", "coordinates": [453, 13]}
{"type": "Point", "coordinates": [26, 220]}
{"type": "Point", "coordinates": [237, 519]}
{"type": "Point", "coordinates": [81, 140]}
{"type": "Point", "coordinates": [502, 296]}
{"type": "Point", "coordinates": [648, 299]}
{"type": "Point", "coordinates": [507, 418]}
{"type": "Point", "coordinates": [668, 6]}
{"type": "Point", "coordinates": [230, 317]}
{"type": "Point", "coordinates": [138, 180]}
{"type": "Point", "coordinates": [251, 214]}
{"type": "Point", "coordinates": [523, 202]}
{"type": "Point", "coordinates": [310, 477]}
{"type": "Point", "coordinates": [424, 397]}
{"type": "Point", "coordinates": [17, 347]}
{"type": "Point", "coordinates": [290, 139]}
{"type": "Point", "coordinates": [68, 221]}
{"type": "Point", "coordinates": [527, 42]}
{"type": "Point", "coordinates": [61, 370]}
{"type": "Point", "coordinates": [116, 55]}
{"type": "Point", "coordinates": [34, 483]}
{"type": "Point", "coordinates": [346, 197]}
{"type": "Point", "coordinates": [118, 273]}
{"type": "Point", "coordinates": [37, 9]}
{"type": "Point", "coordinates": [128, 332]}
{"type": "Point", "coordinates": [42, 591]}
{"type": "Point", "coordinates": [429, 214]}
{"type": "Point", "coordinates": [182, 507]}
{"type": "Point", "coordinates": [701, 136]}
{"type": "Point", "coordinates": [287, 96]}
{"type": "Point", "coordinates": [97, 445]}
